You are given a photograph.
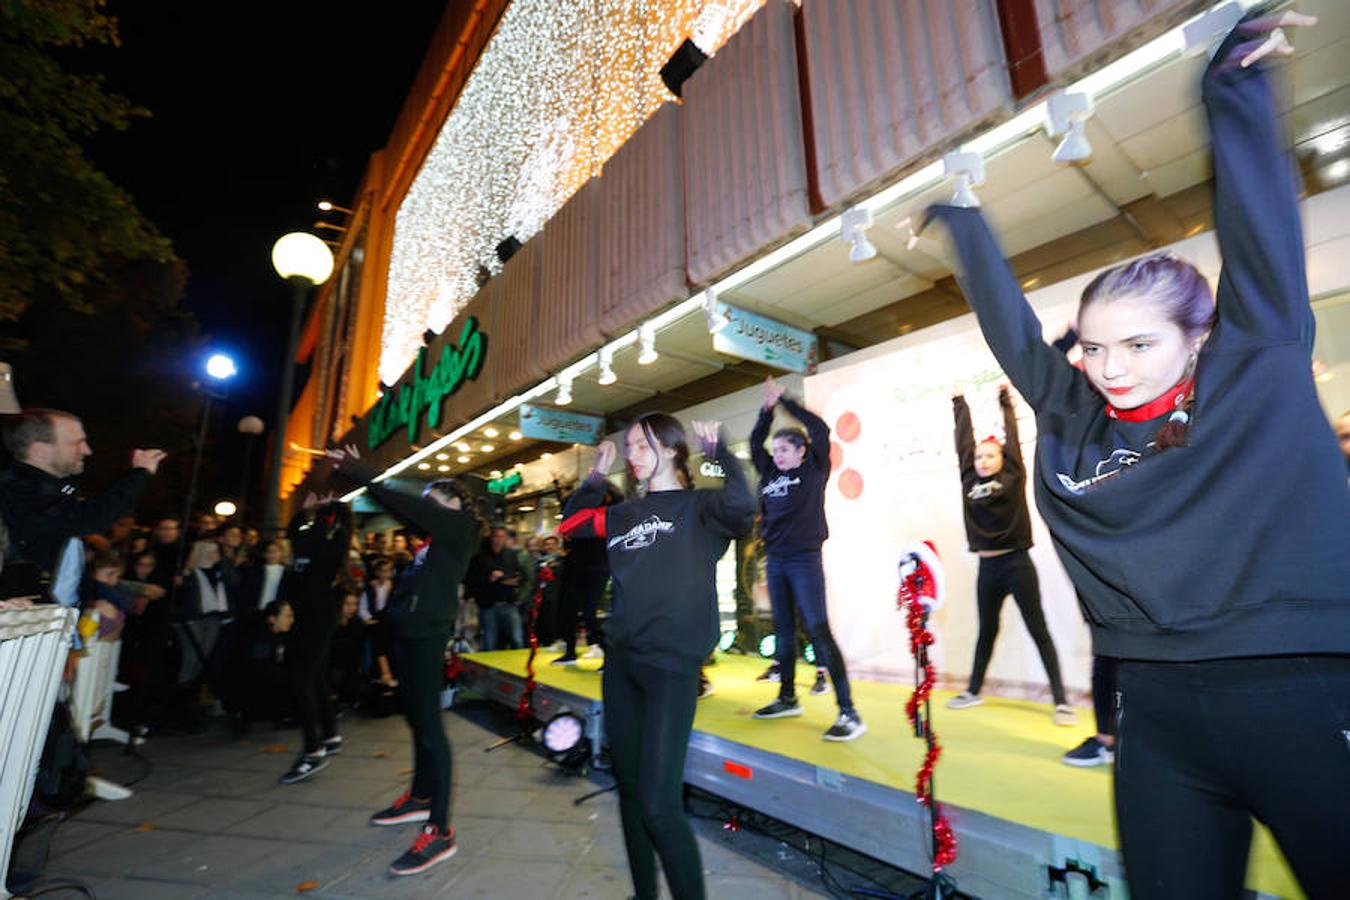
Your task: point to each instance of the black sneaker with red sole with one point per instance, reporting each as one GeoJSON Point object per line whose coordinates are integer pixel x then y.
{"type": "Point", "coordinates": [432, 846]}
{"type": "Point", "coordinates": [405, 809]}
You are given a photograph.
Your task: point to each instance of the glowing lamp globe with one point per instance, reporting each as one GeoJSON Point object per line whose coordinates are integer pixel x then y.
{"type": "Point", "coordinates": [302, 255]}
{"type": "Point", "coordinates": [250, 425]}
{"type": "Point", "coordinates": [219, 366]}
{"type": "Point", "coordinates": [226, 508]}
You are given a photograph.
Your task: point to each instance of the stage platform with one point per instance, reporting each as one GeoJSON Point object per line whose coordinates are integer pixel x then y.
{"type": "Point", "coordinates": [1019, 813]}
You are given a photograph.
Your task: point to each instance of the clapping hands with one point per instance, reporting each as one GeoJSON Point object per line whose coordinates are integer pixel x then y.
{"type": "Point", "coordinates": [709, 434]}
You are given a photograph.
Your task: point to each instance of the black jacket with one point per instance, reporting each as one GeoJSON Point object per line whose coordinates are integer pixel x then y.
{"type": "Point", "coordinates": [1237, 544]}
{"type": "Point", "coordinates": [793, 501]}
{"type": "Point", "coordinates": [43, 512]}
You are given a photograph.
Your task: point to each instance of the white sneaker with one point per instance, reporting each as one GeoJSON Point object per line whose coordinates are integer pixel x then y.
{"type": "Point", "coordinates": [965, 700]}
{"type": "Point", "coordinates": [1064, 715]}
{"type": "Point", "coordinates": [107, 790]}
{"type": "Point", "coordinates": [595, 651]}
{"type": "Point", "coordinates": [557, 647]}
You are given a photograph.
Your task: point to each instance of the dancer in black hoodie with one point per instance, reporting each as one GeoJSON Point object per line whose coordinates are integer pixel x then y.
{"type": "Point", "coordinates": [321, 536]}
{"type": "Point", "coordinates": [792, 496]}
{"type": "Point", "coordinates": [998, 526]}
{"type": "Point", "coordinates": [663, 550]}
{"type": "Point", "coordinates": [1202, 514]}
{"type": "Point", "coordinates": [422, 613]}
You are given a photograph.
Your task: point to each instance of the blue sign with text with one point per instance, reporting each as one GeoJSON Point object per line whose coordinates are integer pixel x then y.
{"type": "Point", "coordinates": [548, 424]}
{"type": "Point", "coordinates": [755, 337]}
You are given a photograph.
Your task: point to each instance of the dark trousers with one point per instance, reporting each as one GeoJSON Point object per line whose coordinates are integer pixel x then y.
{"type": "Point", "coordinates": [1012, 573]}
{"type": "Point", "coordinates": [1203, 747]}
{"type": "Point", "coordinates": [1104, 690]}
{"type": "Point", "coordinates": [309, 685]}
{"type": "Point", "coordinates": [797, 583]}
{"type": "Point", "coordinates": [648, 716]}
{"type": "Point", "coordinates": [582, 594]}
{"type": "Point", "coordinates": [421, 673]}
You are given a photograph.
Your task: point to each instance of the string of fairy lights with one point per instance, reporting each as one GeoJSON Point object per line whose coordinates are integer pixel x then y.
{"type": "Point", "coordinates": [561, 86]}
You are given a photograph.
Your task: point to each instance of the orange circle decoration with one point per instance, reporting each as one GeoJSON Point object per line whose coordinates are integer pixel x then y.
{"type": "Point", "coordinates": [851, 483]}
{"type": "Point", "coordinates": [836, 455]}
{"type": "Point", "coordinates": [848, 426]}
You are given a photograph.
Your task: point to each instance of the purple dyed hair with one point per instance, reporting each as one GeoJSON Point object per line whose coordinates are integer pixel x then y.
{"type": "Point", "coordinates": [1175, 286]}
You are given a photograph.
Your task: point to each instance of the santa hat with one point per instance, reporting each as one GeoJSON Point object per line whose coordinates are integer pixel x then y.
{"type": "Point", "coordinates": [921, 558]}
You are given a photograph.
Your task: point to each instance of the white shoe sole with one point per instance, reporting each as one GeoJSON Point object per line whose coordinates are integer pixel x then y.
{"type": "Point", "coordinates": [421, 815]}
{"type": "Point", "coordinates": [426, 865]}
{"type": "Point", "coordinates": [785, 714]}
{"type": "Point", "coordinates": [851, 736]}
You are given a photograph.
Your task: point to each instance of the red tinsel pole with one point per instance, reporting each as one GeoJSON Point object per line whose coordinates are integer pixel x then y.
{"type": "Point", "coordinates": [920, 639]}
{"type": "Point", "coordinates": [525, 707]}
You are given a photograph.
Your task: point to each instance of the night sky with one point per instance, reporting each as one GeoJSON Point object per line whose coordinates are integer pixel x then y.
{"type": "Point", "coordinates": [258, 111]}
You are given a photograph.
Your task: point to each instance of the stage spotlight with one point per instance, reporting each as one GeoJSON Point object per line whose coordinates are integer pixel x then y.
{"type": "Point", "coordinates": [563, 732]}
{"type": "Point", "coordinates": [647, 345]}
{"type": "Point", "coordinates": [853, 231]}
{"type": "Point", "coordinates": [507, 248]}
{"type": "Point", "coordinates": [1067, 114]}
{"type": "Point", "coordinates": [967, 170]}
{"type": "Point", "coordinates": [717, 320]}
{"type": "Point", "coordinates": [607, 375]}
{"type": "Point", "coordinates": [682, 63]}
{"type": "Point", "coordinates": [564, 390]}
{"type": "Point", "coordinates": [768, 646]}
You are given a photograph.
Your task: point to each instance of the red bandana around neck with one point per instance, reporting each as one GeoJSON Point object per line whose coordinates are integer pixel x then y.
{"type": "Point", "coordinates": [1168, 402]}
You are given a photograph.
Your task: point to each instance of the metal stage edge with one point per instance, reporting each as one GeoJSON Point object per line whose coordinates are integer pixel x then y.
{"type": "Point", "coordinates": [999, 859]}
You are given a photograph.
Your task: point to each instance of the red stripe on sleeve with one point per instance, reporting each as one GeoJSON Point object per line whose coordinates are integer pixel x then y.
{"type": "Point", "coordinates": [595, 518]}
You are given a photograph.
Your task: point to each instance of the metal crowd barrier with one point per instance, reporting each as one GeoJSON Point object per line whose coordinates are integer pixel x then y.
{"type": "Point", "coordinates": [33, 648]}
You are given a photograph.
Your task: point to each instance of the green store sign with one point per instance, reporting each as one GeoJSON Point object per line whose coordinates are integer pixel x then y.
{"type": "Point", "coordinates": [403, 406]}
{"type": "Point", "coordinates": [505, 484]}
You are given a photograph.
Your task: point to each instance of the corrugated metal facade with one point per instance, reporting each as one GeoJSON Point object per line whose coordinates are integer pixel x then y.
{"type": "Point", "coordinates": [512, 344]}
{"type": "Point", "coordinates": [568, 321]}
{"type": "Point", "coordinates": [891, 78]}
{"type": "Point", "coordinates": [744, 158]}
{"type": "Point", "coordinates": [1073, 30]}
{"type": "Point", "coordinates": [640, 224]}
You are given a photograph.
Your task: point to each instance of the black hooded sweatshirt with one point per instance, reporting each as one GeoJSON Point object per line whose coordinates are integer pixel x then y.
{"type": "Point", "coordinates": [1237, 544]}
{"type": "Point", "coordinates": [995, 507]}
{"type": "Point", "coordinates": [793, 501]}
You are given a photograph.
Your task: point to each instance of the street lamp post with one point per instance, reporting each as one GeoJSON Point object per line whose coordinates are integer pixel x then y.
{"type": "Point", "coordinates": [250, 427]}
{"type": "Point", "coordinates": [304, 261]}
{"type": "Point", "coordinates": [219, 369]}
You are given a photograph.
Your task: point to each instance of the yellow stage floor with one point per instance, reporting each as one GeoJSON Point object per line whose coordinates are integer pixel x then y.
{"type": "Point", "coordinates": [1001, 758]}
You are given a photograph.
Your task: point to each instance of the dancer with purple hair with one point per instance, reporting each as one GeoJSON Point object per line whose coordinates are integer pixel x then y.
{"type": "Point", "coordinates": [1197, 497]}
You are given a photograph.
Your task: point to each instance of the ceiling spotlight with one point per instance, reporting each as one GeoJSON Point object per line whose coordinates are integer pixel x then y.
{"type": "Point", "coordinates": [853, 231]}
{"type": "Point", "coordinates": [490, 432]}
{"type": "Point", "coordinates": [442, 468]}
{"type": "Point", "coordinates": [1067, 114]}
{"type": "Point", "coordinates": [495, 473]}
{"type": "Point", "coordinates": [717, 319]}
{"type": "Point", "coordinates": [461, 459]}
{"type": "Point", "coordinates": [564, 390]}
{"type": "Point", "coordinates": [487, 448]}
{"type": "Point", "coordinates": [607, 375]}
{"type": "Point", "coordinates": [424, 466]}
{"type": "Point", "coordinates": [442, 456]}
{"type": "Point", "coordinates": [967, 170]}
{"type": "Point", "coordinates": [546, 456]}
{"type": "Point", "coordinates": [647, 343]}
{"type": "Point", "coordinates": [515, 435]}
{"type": "Point", "coordinates": [463, 447]}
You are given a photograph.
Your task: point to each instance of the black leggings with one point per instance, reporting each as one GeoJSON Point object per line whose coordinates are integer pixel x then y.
{"type": "Point", "coordinates": [649, 713]}
{"type": "Point", "coordinates": [582, 592]}
{"type": "Point", "coordinates": [309, 686]}
{"type": "Point", "coordinates": [421, 674]}
{"type": "Point", "coordinates": [1012, 573]}
{"type": "Point", "coordinates": [1104, 690]}
{"type": "Point", "coordinates": [1203, 747]}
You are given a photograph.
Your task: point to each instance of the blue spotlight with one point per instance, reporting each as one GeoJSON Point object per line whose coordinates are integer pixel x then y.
{"type": "Point", "coordinates": [220, 367]}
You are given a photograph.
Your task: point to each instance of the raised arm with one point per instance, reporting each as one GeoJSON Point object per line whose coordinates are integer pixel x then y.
{"type": "Point", "coordinates": [1042, 375]}
{"type": "Point", "coordinates": [1012, 442]}
{"type": "Point", "coordinates": [965, 436]}
{"type": "Point", "coordinates": [816, 430]}
{"type": "Point", "coordinates": [584, 511]}
{"type": "Point", "coordinates": [758, 435]}
{"type": "Point", "coordinates": [730, 511]}
{"type": "Point", "coordinates": [1263, 288]}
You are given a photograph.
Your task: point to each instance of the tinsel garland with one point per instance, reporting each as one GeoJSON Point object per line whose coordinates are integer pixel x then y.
{"type": "Point", "coordinates": [525, 706]}
{"type": "Point", "coordinates": [920, 638]}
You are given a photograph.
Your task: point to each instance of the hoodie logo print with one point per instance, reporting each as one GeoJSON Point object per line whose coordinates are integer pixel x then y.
{"type": "Point", "coordinates": [1117, 462]}
{"type": "Point", "coordinates": [641, 535]}
{"type": "Point", "coordinates": [780, 486]}
{"type": "Point", "coordinates": [985, 489]}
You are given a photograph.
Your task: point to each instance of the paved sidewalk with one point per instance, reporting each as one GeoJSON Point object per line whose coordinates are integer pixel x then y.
{"type": "Point", "coordinates": [211, 821]}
